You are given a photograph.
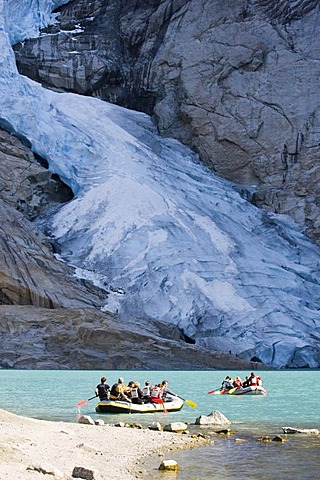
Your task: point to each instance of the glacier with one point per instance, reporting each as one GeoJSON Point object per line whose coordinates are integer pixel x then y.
{"type": "Point", "coordinates": [152, 225]}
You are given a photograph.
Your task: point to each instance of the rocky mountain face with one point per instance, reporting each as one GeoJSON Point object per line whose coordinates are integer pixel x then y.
{"type": "Point", "coordinates": [236, 81]}
{"type": "Point", "coordinates": [84, 338]}
{"type": "Point", "coordinates": [51, 319]}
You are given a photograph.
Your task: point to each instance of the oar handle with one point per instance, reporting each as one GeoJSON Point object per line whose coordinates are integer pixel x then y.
{"type": "Point", "coordinates": [188, 402]}
{"type": "Point", "coordinates": [212, 391]}
{"type": "Point", "coordinates": [83, 402]}
{"type": "Point", "coordinates": [93, 397]}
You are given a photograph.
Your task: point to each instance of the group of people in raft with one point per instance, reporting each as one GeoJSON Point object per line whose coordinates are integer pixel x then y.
{"type": "Point", "coordinates": [250, 381]}
{"type": "Point", "coordinates": [132, 392]}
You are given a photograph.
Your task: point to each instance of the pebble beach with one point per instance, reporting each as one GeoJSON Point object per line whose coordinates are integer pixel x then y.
{"type": "Point", "coordinates": [32, 449]}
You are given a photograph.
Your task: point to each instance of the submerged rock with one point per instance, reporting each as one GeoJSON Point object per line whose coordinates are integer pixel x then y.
{"type": "Point", "coordinates": [225, 431]}
{"type": "Point", "coordinates": [307, 431]}
{"type": "Point", "coordinates": [169, 465]}
{"type": "Point", "coordinates": [278, 438]}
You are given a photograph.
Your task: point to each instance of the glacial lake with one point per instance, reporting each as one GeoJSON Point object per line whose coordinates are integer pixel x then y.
{"type": "Point", "coordinates": [293, 400]}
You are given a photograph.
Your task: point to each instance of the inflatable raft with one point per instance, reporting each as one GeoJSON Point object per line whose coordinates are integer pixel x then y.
{"type": "Point", "coordinates": [117, 406]}
{"type": "Point", "coordinates": [256, 390]}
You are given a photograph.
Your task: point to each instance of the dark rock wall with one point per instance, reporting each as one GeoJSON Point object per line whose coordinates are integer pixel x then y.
{"type": "Point", "coordinates": [29, 272]}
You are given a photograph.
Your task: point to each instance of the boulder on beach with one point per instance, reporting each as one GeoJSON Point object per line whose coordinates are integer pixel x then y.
{"type": "Point", "coordinates": [175, 427]}
{"type": "Point", "coordinates": [155, 426]}
{"type": "Point", "coordinates": [85, 473]}
{"type": "Point", "coordinates": [214, 418]}
{"type": "Point", "coordinates": [86, 419]}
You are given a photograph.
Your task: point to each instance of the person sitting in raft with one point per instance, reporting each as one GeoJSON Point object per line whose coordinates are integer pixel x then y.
{"type": "Point", "coordinates": [102, 390]}
{"type": "Point", "coordinates": [128, 388]}
{"type": "Point", "coordinates": [246, 382]}
{"type": "Point", "coordinates": [253, 381]}
{"type": "Point", "coordinates": [157, 394]}
{"type": "Point", "coordinates": [119, 391]}
{"type": "Point", "coordinates": [167, 394]}
{"type": "Point", "coordinates": [259, 381]}
{"type": "Point", "coordinates": [227, 383]}
{"type": "Point", "coordinates": [136, 393]}
{"type": "Point", "coordinates": [146, 392]}
{"type": "Point", "coordinates": [237, 383]}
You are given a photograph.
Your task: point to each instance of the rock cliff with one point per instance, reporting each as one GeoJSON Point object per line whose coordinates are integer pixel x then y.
{"type": "Point", "coordinates": [236, 81]}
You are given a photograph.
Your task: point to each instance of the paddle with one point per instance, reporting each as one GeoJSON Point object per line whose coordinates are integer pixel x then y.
{"type": "Point", "coordinates": [189, 402]}
{"type": "Point", "coordinates": [159, 401]}
{"type": "Point", "coordinates": [164, 408]}
{"type": "Point", "coordinates": [212, 391]}
{"type": "Point", "coordinates": [232, 390]}
{"type": "Point", "coordinates": [83, 402]}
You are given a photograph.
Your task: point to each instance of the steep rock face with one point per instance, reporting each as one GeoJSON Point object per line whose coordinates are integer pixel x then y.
{"type": "Point", "coordinates": [246, 87]}
{"type": "Point", "coordinates": [39, 338]}
{"type": "Point", "coordinates": [29, 272]}
{"type": "Point", "coordinates": [25, 182]}
{"type": "Point", "coordinates": [238, 82]}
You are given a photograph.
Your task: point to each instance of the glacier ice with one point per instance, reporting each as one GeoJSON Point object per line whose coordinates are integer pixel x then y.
{"type": "Point", "coordinates": [172, 240]}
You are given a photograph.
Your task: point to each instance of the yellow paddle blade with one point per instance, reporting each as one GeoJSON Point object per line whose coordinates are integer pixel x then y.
{"type": "Point", "coordinates": [191, 403]}
{"type": "Point", "coordinates": [232, 390]}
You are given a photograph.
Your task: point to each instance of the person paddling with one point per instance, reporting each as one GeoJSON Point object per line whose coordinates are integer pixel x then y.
{"type": "Point", "coordinates": [102, 390]}
{"type": "Point", "coordinates": [167, 394]}
{"type": "Point", "coordinates": [227, 383]}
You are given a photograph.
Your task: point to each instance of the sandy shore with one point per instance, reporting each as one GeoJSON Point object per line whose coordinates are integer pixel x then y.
{"type": "Point", "coordinates": [30, 449]}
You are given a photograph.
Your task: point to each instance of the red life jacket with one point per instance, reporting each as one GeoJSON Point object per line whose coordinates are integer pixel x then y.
{"type": "Point", "coordinates": [253, 381]}
{"type": "Point", "coordinates": [156, 394]}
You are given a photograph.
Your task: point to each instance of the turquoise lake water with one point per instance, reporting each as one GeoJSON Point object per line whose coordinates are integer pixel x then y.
{"type": "Point", "coordinates": [293, 400]}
